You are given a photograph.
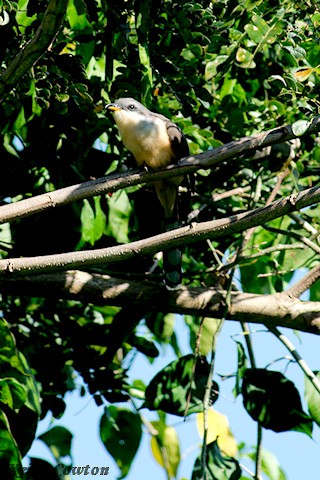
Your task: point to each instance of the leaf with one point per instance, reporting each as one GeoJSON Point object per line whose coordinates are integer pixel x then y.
{"type": "Point", "coordinates": [218, 429]}
{"type": "Point", "coordinates": [120, 432]}
{"type": "Point", "coordinates": [58, 439]}
{"type": "Point", "coordinates": [218, 466]}
{"type": "Point", "coordinates": [245, 58]}
{"type": "Point", "coordinates": [145, 346]}
{"type": "Point", "coordinates": [209, 328]}
{"type": "Point", "coordinates": [78, 20]}
{"type": "Point", "coordinates": [42, 469]}
{"type": "Point", "coordinates": [93, 221]}
{"type": "Point", "coordinates": [211, 67]}
{"type": "Point", "coordinates": [87, 221]}
{"type": "Point", "coordinates": [312, 397]}
{"type": "Point", "coordinates": [165, 448]}
{"type": "Point", "coordinates": [273, 401]}
{"type": "Point", "coordinates": [118, 218]}
{"type": "Point", "coordinates": [270, 466]}
{"type": "Point", "coordinates": [12, 393]}
{"type": "Point", "coordinates": [300, 127]}
{"type": "Point", "coordinates": [303, 73]}
{"type": "Point", "coordinates": [10, 455]}
{"type": "Point", "coordinates": [242, 367]}
{"type": "Point", "coordinates": [254, 33]}
{"type": "Point", "coordinates": [179, 388]}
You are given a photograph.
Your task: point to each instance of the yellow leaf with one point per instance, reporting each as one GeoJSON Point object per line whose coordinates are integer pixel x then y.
{"type": "Point", "coordinates": [218, 426]}
{"type": "Point", "coordinates": [303, 73]}
{"type": "Point", "coordinates": [165, 448]}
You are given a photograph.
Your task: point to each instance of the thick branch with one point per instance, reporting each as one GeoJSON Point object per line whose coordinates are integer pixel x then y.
{"type": "Point", "coordinates": [36, 47]}
{"type": "Point", "coordinates": [115, 182]}
{"type": "Point", "coordinates": [271, 310]}
{"type": "Point", "coordinates": [149, 246]}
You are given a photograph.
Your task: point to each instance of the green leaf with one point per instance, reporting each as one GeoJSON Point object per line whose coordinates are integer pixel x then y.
{"type": "Point", "coordinates": [93, 221]}
{"type": "Point", "coordinates": [10, 454]}
{"type": "Point", "coordinates": [99, 219]}
{"type": "Point", "coordinates": [144, 346]}
{"type": "Point", "coordinates": [87, 223]}
{"type": "Point", "coordinates": [300, 127]}
{"type": "Point", "coordinates": [165, 447]}
{"type": "Point", "coordinates": [118, 218]}
{"type": "Point", "coordinates": [312, 397]}
{"type": "Point", "coordinates": [245, 58]}
{"type": "Point", "coordinates": [211, 67]}
{"type": "Point", "coordinates": [271, 467]}
{"type": "Point", "coordinates": [12, 393]}
{"type": "Point", "coordinates": [254, 33]}
{"type": "Point", "coordinates": [242, 367]}
{"type": "Point", "coordinates": [273, 401]}
{"type": "Point", "coordinates": [58, 439]}
{"type": "Point", "coordinates": [78, 21]}
{"type": "Point", "coordinates": [120, 432]}
{"type": "Point", "coordinates": [179, 388]}
{"type": "Point", "coordinates": [218, 466]}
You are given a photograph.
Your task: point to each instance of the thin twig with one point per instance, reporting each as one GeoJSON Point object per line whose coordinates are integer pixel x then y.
{"type": "Point", "coordinates": [301, 362]}
{"type": "Point", "coordinates": [248, 341]}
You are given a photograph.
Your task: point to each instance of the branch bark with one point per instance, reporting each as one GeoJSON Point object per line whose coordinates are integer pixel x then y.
{"type": "Point", "coordinates": [117, 181]}
{"type": "Point", "coordinates": [36, 47]}
{"type": "Point", "coordinates": [272, 310]}
{"type": "Point", "coordinates": [174, 238]}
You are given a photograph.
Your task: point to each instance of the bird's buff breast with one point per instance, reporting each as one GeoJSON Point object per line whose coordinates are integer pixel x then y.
{"type": "Point", "coordinates": [148, 141]}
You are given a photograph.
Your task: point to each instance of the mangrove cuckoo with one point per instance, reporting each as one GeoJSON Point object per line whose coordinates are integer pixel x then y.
{"type": "Point", "coordinates": [155, 142]}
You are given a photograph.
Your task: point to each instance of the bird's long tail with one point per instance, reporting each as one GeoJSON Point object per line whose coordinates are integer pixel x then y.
{"type": "Point", "coordinates": [172, 260]}
{"type": "Point", "coordinates": [167, 191]}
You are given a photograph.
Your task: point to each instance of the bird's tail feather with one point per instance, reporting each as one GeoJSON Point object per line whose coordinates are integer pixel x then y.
{"type": "Point", "coordinates": [172, 261]}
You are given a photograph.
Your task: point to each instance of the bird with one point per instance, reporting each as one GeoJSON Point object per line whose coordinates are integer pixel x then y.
{"type": "Point", "coordinates": [155, 142]}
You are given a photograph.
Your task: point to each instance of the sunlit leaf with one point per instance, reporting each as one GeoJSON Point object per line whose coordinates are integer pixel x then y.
{"type": "Point", "coordinates": [300, 127]}
{"type": "Point", "coordinates": [165, 448]}
{"type": "Point", "coordinates": [312, 397]}
{"type": "Point", "coordinates": [218, 429]}
{"type": "Point", "coordinates": [118, 218]}
{"type": "Point", "coordinates": [303, 73]}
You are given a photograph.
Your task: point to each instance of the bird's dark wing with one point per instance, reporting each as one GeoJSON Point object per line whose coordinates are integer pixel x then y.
{"type": "Point", "coordinates": [178, 141]}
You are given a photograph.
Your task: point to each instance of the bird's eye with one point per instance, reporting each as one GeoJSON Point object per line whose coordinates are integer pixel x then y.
{"type": "Point", "coordinates": [131, 107]}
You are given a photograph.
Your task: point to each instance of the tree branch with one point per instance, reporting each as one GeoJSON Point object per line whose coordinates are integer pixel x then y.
{"type": "Point", "coordinates": [272, 310]}
{"type": "Point", "coordinates": [172, 239]}
{"type": "Point", "coordinates": [115, 182]}
{"type": "Point", "coordinates": [36, 47]}
{"type": "Point", "coordinates": [304, 283]}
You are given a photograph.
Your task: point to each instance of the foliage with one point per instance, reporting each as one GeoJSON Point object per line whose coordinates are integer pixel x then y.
{"type": "Point", "coordinates": [221, 70]}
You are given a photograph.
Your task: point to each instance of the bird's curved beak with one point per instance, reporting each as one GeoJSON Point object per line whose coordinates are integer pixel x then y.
{"type": "Point", "coordinates": [113, 107]}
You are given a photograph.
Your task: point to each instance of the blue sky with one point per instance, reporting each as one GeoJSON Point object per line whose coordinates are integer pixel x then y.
{"type": "Point", "coordinates": [297, 454]}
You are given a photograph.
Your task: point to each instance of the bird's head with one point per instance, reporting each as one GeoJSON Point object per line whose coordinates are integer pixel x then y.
{"type": "Point", "coordinates": [129, 113]}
